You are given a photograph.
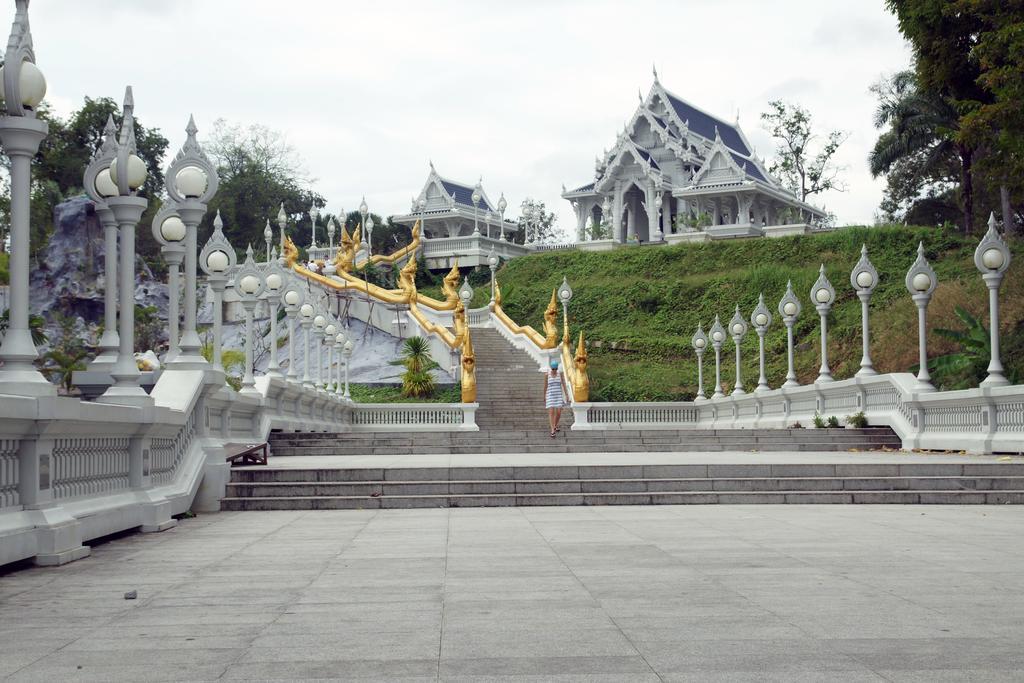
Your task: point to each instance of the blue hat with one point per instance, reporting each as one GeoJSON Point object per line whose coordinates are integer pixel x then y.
{"type": "Point", "coordinates": [554, 364]}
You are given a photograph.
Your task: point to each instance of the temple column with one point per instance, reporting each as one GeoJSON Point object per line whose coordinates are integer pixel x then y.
{"type": "Point", "coordinates": [581, 220]}
{"type": "Point", "coordinates": [717, 217]}
{"type": "Point", "coordinates": [666, 214]}
{"type": "Point", "coordinates": [617, 209]}
{"type": "Point", "coordinates": [652, 213]}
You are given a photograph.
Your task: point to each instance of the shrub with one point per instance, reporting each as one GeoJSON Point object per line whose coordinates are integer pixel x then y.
{"type": "Point", "coordinates": [833, 422]}
{"type": "Point", "coordinates": [857, 420]}
{"type": "Point", "coordinates": [819, 421]}
{"type": "Point", "coordinates": [417, 382]}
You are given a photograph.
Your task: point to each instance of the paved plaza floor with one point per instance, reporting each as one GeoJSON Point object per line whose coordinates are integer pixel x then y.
{"type": "Point", "coordinates": [716, 593]}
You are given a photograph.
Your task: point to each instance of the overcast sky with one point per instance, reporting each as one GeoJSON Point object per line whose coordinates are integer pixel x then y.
{"type": "Point", "coordinates": [524, 93]}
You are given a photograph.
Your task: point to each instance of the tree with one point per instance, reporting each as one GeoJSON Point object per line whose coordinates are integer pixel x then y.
{"type": "Point", "coordinates": [258, 171]}
{"type": "Point", "coordinates": [918, 150]}
{"type": "Point", "coordinates": [67, 355]}
{"type": "Point", "coordinates": [417, 380]}
{"type": "Point", "coordinates": [802, 170]}
{"type": "Point", "coordinates": [540, 225]}
{"type": "Point", "coordinates": [62, 157]}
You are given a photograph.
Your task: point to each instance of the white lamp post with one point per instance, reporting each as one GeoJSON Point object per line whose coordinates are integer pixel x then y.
{"type": "Point", "coordinates": [823, 295]}
{"type": "Point", "coordinates": [921, 283]}
{"type": "Point", "coordinates": [347, 350]}
{"type": "Point", "coordinates": [992, 258]}
{"type": "Point", "coordinates": [466, 293]}
{"type": "Point", "coordinates": [170, 232]}
{"type": "Point", "coordinates": [314, 213]}
{"type": "Point", "coordinates": [502, 205]}
{"type": "Point", "coordinates": [330, 332]}
{"type": "Point", "coordinates": [339, 345]}
{"type": "Point", "coordinates": [306, 315]}
{"type": "Point", "coordinates": [20, 133]}
{"type": "Point", "coordinates": [476, 204]}
{"type": "Point", "coordinates": [492, 263]}
{"type": "Point", "coordinates": [364, 211]}
{"type": "Point", "coordinates": [761, 318]}
{"type": "Point", "coordinates": [249, 286]}
{"type": "Point", "coordinates": [191, 182]}
{"type": "Point", "coordinates": [864, 279]}
{"type": "Point", "coordinates": [216, 259]}
{"type": "Point", "coordinates": [717, 337]}
{"type": "Point", "coordinates": [565, 296]}
{"type": "Point", "coordinates": [422, 204]}
{"type": "Point", "coordinates": [319, 329]}
{"type": "Point", "coordinates": [282, 223]}
{"type": "Point", "coordinates": [789, 309]}
{"type": "Point", "coordinates": [275, 277]}
{"type": "Point", "coordinates": [700, 343]}
{"type": "Point", "coordinates": [268, 237]}
{"type": "Point", "coordinates": [738, 330]}
{"type": "Point", "coordinates": [369, 236]}
{"type": "Point", "coordinates": [331, 227]}
{"type": "Point", "coordinates": [293, 299]}
{"type": "Point", "coordinates": [128, 172]}
{"type": "Point", "coordinates": [99, 186]}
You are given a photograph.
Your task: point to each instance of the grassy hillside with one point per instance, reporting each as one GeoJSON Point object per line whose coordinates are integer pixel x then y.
{"type": "Point", "coordinates": [647, 301]}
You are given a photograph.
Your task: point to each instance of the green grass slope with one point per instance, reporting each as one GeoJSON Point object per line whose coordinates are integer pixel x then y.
{"type": "Point", "coordinates": [639, 306]}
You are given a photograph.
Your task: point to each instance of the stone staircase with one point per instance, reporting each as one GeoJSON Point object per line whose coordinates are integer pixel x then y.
{"type": "Point", "coordinates": [509, 387]}
{"type": "Point", "coordinates": [262, 488]}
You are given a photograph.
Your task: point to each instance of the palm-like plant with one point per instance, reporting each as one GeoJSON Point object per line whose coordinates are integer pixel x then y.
{"type": "Point", "coordinates": [417, 380]}
{"type": "Point", "coordinates": [921, 123]}
{"type": "Point", "coordinates": [969, 365]}
{"type": "Point", "coordinates": [62, 364]}
{"type": "Point", "coordinates": [232, 360]}
{"type": "Point", "coordinates": [36, 327]}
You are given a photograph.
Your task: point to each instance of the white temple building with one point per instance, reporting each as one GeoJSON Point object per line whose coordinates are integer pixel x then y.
{"type": "Point", "coordinates": [676, 173]}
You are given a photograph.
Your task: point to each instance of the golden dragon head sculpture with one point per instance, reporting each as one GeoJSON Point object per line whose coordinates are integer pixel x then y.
{"type": "Point", "coordinates": [468, 371]}
{"type": "Point", "coordinates": [551, 322]}
{"type": "Point", "coordinates": [345, 258]}
{"type": "Point", "coordinates": [580, 378]}
{"type": "Point", "coordinates": [450, 282]}
{"type": "Point", "coordinates": [407, 278]}
{"type": "Point", "coordinates": [291, 252]}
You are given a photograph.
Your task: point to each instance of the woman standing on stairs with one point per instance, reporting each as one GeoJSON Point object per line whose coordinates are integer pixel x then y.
{"type": "Point", "coordinates": [555, 395]}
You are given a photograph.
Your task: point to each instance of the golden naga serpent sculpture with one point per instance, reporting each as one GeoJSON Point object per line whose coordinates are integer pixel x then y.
{"type": "Point", "coordinates": [574, 364]}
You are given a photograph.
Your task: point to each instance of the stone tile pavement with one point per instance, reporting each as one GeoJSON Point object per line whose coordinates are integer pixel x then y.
{"type": "Point", "coordinates": [717, 593]}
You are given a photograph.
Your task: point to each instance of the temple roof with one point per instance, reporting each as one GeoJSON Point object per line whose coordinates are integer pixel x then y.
{"type": "Point", "coordinates": [463, 194]}
{"type": "Point", "coordinates": [704, 124]}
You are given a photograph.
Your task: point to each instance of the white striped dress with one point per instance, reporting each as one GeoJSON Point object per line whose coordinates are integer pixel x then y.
{"type": "Point", "coordinates": [554, 398]}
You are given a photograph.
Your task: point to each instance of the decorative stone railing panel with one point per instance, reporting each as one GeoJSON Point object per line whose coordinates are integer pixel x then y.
{"type": "Point", "coordinates": [9, 473]}
{"type": "Point", "coordinates": [166, 454]}
{"type": "Point", "coordinates": [634, 415]}
{"type": "Point", "coordinates": [372, 417]}
{"type": "Point", "coordinates": [90, 466]}
{"type": "Point", "coordinates": [479, 317]}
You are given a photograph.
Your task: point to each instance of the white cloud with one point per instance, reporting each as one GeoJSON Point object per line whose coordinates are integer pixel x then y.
{"type": "Point", "coordinates": [523, 93]}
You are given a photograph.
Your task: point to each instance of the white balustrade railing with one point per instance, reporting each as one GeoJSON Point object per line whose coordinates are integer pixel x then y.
{"type": "Point", "coordinates": [479, 317]}
{"type": "Point", "coordinates": [87, 466]}
{"type": "Point", "coordinates": [982, 420]}
{"type": "Point", "coordinates": [373, 417]}
{"type": "Point", "coordinates": [8, 473]}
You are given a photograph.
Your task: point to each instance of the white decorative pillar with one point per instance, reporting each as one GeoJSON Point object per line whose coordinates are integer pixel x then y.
{"type": "Point", "coordinates": [789, 309]}
{"type": "Point", "coordinates": [864, 279]}
{"type": "Point", "coordinates": [293, 299]}
{"type": "Point", "coordinates": [191, 182]}
{"type": "Point", "coordinates": [329, 342]}
{"type": "Point", "coordinates": [700, 343]}
{"type": "Point", "coordinates": [249, 286]}
{"type": "Point", "coordinates": [306, 315]}
{"type": "Point", "coordinates": [319, 328]}
{"type": "Point", "coordinates": [128, 172]}
{"type": "Point", "coordinates": [99, 186]}
{"type": "Point", "coordinates": [20, 133]}
{"type": "Point", "coordinates": [823, 295]}
{"type": "Point", "coordinates": [992, 258]}
{"type": "Point", "coordinates": [581, 220]}
{"type": "Point", "coordinates": [339, 345]}
{"type": "Point", "coordinates": [738, 330]}
{"type": "Point", "coordinates": [654, 196]}
{"type": "Point", "coordinates": [761, 319]}
{"type": "Point", "coordinates": [275, 277]}
{"type": "Point", "coordinates": [717, 337]}
{"type": "Point", "coordinates": [618, 206]}
{"type": "Point", "coordinates": [347, 351]}
{"type": "Point", "coordinates": [217, 259]}
{"type": "Point", "coordinates": [921, 282]}
{"type": "Point", "coordinates": [170, 232]}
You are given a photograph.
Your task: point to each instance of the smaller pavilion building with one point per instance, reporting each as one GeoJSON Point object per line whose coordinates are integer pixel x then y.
{"type": "Point", "coordinates": [677, 173]}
